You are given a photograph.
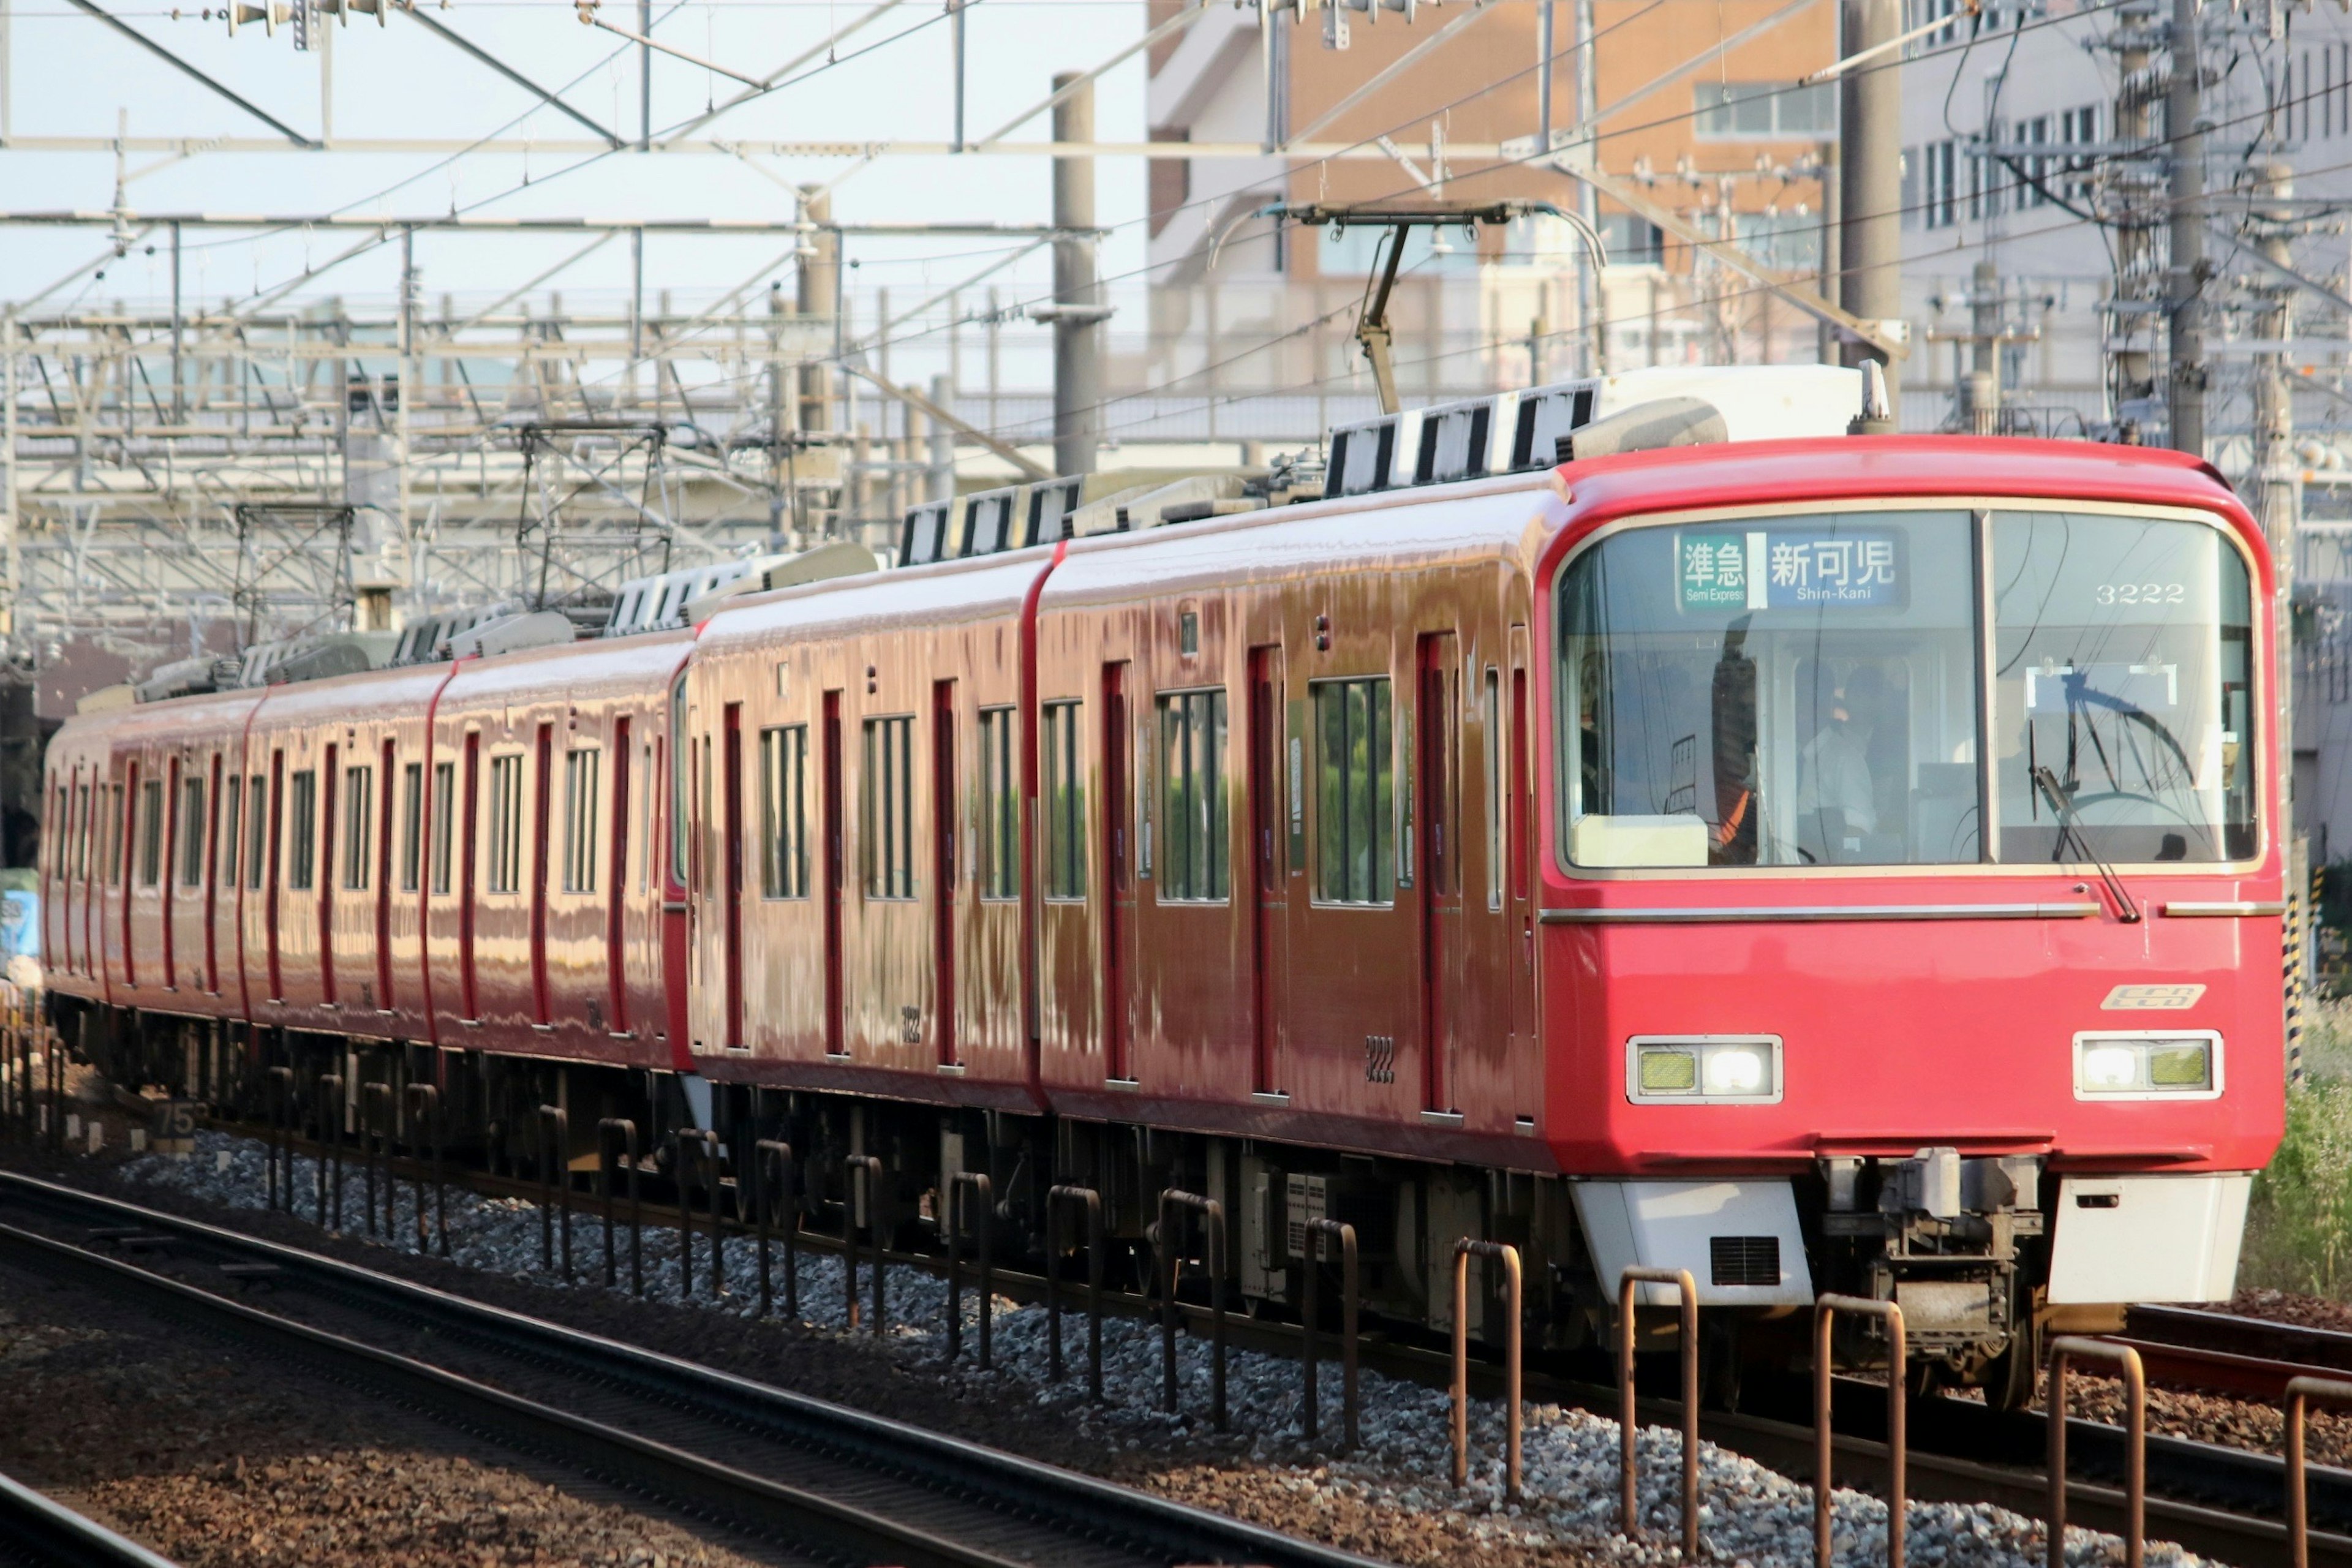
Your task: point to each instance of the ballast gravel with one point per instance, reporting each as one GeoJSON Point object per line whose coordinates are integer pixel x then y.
{"type": "Point", "coordinates": [1393, 1498]}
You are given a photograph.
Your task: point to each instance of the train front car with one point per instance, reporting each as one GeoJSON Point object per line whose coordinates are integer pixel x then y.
{"type": "Point", "coordinates": [1913, 879]}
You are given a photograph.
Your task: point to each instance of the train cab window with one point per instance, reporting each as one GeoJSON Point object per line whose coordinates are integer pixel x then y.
{"type": "Point", "coordinates": [150, 832]}
{"type": "Point", "coordinates": [999, 868]}
{"type": "Point", "coordinates": [1062, 800]}
{"type": "Point", "coordinates": [445, 817]}
{"type": "Point", "coordinates": [783, 812]}
{"type": "Point", "coordinates": [1355, 793]}
{"type": "Point", "coordinates": [359, 826]}
{"type": "Point", "coordinates": [302, 827]}
{"type": "Point", "coordinates": [886, 825]}
{"type": "Point", "coordinates": [192, 831]}
{"type": "Point", "coordinates": [411, 825]}
{"type": "Point", "coordinates": [580, 840]}
{"type": "Point", "coordinates": [2123, 695]}
{"type": "Point", "coordinates": [1196, 850]}
{"type": "Point", "coordinates": [1788, 690]}
{"type": "Point", "coordinates": [506, 824]}
{"type": "Point", "coordinates": [257, 834]}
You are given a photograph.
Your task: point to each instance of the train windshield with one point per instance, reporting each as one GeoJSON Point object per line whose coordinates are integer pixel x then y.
{"type": "Point", "coordinates": [1819, 689]}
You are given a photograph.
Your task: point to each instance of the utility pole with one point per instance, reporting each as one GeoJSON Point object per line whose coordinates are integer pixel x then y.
{"type": "Point", "coordinates": [2278, 478]}
{"type": "Point", "coordinates": [1984, 351]}
{"type": "Point", "coordinates": [818, 280]}
{"type": "Point", "coordinates": [2187, 137]}
{"type": "Point", "coordinates": [2131, 319]}
{"type": "Point", "coordinates": [1870, 165]}
{"type": "Point", "coordinates": [644, 76]}
{"type": "Point", "coordinates": [1831, 274]}
{"type": "Point", "coordinates": [1077, 313]}
{"type": "Point", "coordinates": [955, 45]}
{"type": "Point", "coordinates": [1591, 304]}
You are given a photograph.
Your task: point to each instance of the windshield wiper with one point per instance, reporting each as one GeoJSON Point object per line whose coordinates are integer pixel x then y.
{"type": "Point", "coordinates": [2070, 827]}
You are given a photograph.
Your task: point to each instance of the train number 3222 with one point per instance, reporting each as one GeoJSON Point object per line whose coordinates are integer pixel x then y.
{"type": "Point", "coordinates": [2143, 592]}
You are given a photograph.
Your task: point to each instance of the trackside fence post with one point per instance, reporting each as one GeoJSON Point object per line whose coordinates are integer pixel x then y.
{"type": "Point", "coordinates": [330, 1144]}
{"type": "Point", "coordinates": [1890, 1316]}
{"type": "Point", "coordinates": [772, 1155]}
{"type": "Point", "coordinates": [864, 1170]}
{"type": "Point", "coordinates": [962, 1187]}
{"type": "Point", "coordinates": [1057, 1203]}
{"type": "Point", "coordinates": [2301, 1393]}
{"type": "Point", "coordinates": [280, 1151]}
{"type": "Point", "coordinates": [1465, 1250]}
{"type": "Point", "coordinates": [425, 1117]}
{"type": "Point", "coordinates": [1213, 1215]}
{"type": "Point", "coordinates": [1311, 1350]}
{"type": "Point", "coordinates": [554, 1185]}
{"type": "Point", "coordinates": [1630, 1504]}
{"type": "Point", "coordinates": [628, 1136]}
{"type": "Point", "coordinates": [2068, 1348]}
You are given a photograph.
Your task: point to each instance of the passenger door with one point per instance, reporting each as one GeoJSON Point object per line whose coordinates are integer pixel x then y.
{"type": "Point", "coordinates": [1269, 893]}
{"type": "Point", "coordinates": [1437, 862]}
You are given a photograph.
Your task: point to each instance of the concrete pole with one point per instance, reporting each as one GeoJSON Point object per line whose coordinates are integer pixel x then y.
{"type": "Point", "coordinates": [1831, 283]}
{"type": "Point", "coordinates": [2132, 379]}
{"type": "Point", "coordinates": [1984, 350]}
{"type": "Point", "coordinates": [1869, 134]}
{"type": "Point", "coordinates": [1591, 301]}
{"type": "Point", "coordinates": [2182, 108]}
{"type": "Point", "coordinates": [939, 478]}
{"type": "Point", "coordinates": [1078, 323]}
{"type": "Point", "coordinates": [2278, 496]}
{"type": "Point", "coordinates": [819, 282]}
{"type": "Point", "coordinates": [645, 77]}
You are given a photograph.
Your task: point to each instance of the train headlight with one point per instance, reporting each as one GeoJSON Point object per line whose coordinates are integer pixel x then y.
{"type": "Point", "coordinates": [2147, 1066]}
{"type": "Point", "coordinates": [1707, 1069]}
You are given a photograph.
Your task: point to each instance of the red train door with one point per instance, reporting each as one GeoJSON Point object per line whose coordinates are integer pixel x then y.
{"type": "Point", "coordinates": [830, 788]}
{"type": "Point", "coordinates": [212, 878]}
{"type": "Point", "coordinates": [731, 789]}
{"type": "Point", "coordinates": [1118, 900]}
{"type": "Point", "coordinates": [1268, 901]}
{"type": "Point", "coordinates": [944, 805]}
{"type": "Point", "coordinates": [384, 806]}
{"type": "Point", "coordinates": [467, 814]}
{"type": "Point", "coordinates": [542, 1012]}
{"type": "Point", "coordinates": [269, 900]}
{"type": "Point", "coordinates": [166, 909]}
{"type": "Point", "coordinates": [1437, 861]}
{"type": "Point", "coordinates": [616, 980]}
{"type": "Point", "coordinates": [1519, 799]}
{"type": "Point", "coordinates": [322, 876]}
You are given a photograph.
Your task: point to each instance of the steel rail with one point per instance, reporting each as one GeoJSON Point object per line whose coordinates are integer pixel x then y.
{"type": "Point", "coordinates": [38, 1529]}
{"type": "Point", "coordinates": [1076, 1517]}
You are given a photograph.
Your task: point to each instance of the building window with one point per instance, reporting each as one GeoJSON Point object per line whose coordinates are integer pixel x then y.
{"type": "Point", "coordinates": [1000, 821]}
{"type": "Point", "coordinates": [1782, 242]}
{"type": "Point", "coordinates": [580, 779]}
{"type": "Point", "coordinates": [1355, 793]}
{"type": "Point", "coordinates": [359, 825]}
{"type": "Point", "coordinates": [1766, 111]}
{"type": "Point", "coordinates": [1918, 13]}
{"type": "Point", "coordinates": [257, 834]}
{"type": "Point", "coordinates": [2081, 126]}
{"type": "Point", "coordinates": [302, 852]}
{"type": "Point", "coordinates": [1632, 240]}
{"type": "Point", "coordinates": [506, 824]}
{"type": "Point", "coordinates": [1938, 194]}
{"type": "Point", "coordinates": [783, 812]}
{"type": "Point", "coordinates": [1062, 800]}
{"type": "Point", "coordinates": [887, 808]}
{"type": "Point", "coordinates": [150, 832]}
{"type": "Point", "coordinates": [1196, 851]}
{"type": "Point", "coordinates": [445, 808]}
{"type": "Point", "coordinates": [411, 825]}
{"type": "Point", "coordinates": [192, 832]}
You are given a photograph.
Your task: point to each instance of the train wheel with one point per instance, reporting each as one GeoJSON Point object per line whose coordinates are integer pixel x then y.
{"type": "Point", "coordinates": [2014, 1377]}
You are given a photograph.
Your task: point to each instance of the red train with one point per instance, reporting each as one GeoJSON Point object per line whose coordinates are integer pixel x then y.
{"type": "Point", "coordinates": [1839, 863]}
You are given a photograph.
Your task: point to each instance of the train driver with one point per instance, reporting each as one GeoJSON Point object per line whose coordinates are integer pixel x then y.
{"type": "Point", "coordinates": [1837, 802]}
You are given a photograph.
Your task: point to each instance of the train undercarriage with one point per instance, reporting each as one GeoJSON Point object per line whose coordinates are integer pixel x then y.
{"type": "Point", "coordinates": [1958, 1243]}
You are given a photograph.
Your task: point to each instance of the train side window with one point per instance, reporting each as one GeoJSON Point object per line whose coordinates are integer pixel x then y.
{"type": "Point", "coordinates": [1196, 851]}
{"type": "Point", "coordinates": [999, 868]}
{"type": "Point", "coordinates": [412, 824]}
{"type": "Point", "coordinates": [1355, 793]}
{"type": "Point", "coordinates": [579, 781]}
{"type": "Point", "coordinates": [359, 825]}
{"type": "Point", "coordinates": [232, 828]}
{"type": "Point", "coordinates": [303, 828]}
{"type": "Point", "coordinates": [115, 867]}
{"type": "Point", "coordinates": [783, 812]}
{"type": "Point", "coordinates": [1064, 799]}
{"type": "Point", "coordinates": [681, 763]}
{"type": "Point", "coordinates": [506, 823]}
{"type": "Point", "coordinates": [150, 833]}
{"type": "Point", "coordinates": [192, 831]}
{"type": "Point", "coordinates": [257, 834]}
{"type": "Point", "coordinates": [646, 820]}
{"type": "Point", "coordinates": [886, 825]}
{"type": "Point", "coordinates": [1498, 798]}
{"type": "Point", "coordinates": [81, 841]}
{"type": "Point", "coordinates": [445, 808]}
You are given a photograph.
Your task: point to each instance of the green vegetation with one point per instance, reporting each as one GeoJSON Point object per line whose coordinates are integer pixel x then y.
{"type": "Point", "coordinates": [2299, 1225]}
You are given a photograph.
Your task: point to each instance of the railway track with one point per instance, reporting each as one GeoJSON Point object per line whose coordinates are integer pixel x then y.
{"type": "Point", "coordinates": [2223, 1502]}
{"type": "Point", "coordinates": [37, 1532]}
{"type": "Point", "coordinates": [861, 1490]}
